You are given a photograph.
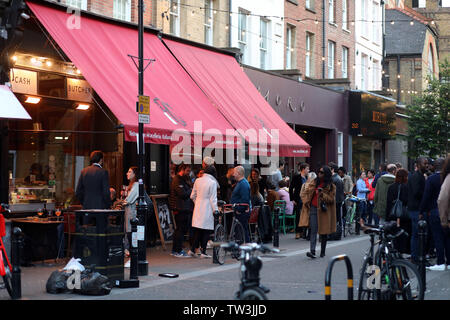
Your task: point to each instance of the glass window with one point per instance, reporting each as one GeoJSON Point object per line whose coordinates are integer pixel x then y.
{"type": "Point", "coordinates": [208, 22]}
{"type": "Point", "coordinates": [290, 45]}
{"type": "Point", "coordinates": [344, 14]}
{"type": "Point", "coordinates": [309, 4]}
{"type": "Point", "coordinates": [122, 10]}
{"type": "Point", "coordinates": [376, 24]}
{"type": "Point", "coordinates": [309, 67]}
{"type": "Point", "coordinates": [175, 17]}
{"type": "Point", "coordinates": [444, 3]}
{"type": "Point", "coordinates": [331, 11]}
{"type": "Point", "coordinates": [242, 33]}
{"type": "Point", "coordinates": [375, 74]}
{"type": "Point", "coordinates": [364, 18]}
{"type": "Point", "coordinates": [263, 43]}
{"type": "Point", "coordinates": [364, 60]}
{"type": "Point", "coordinates": [430, 69]}
{"type": "Point", "coordinates": [340, 147]}
{"type": "Point", "coordinates": [331, 48]}
{"type": "Point", "coordinates": [344, 62]}
{"type": "Point", "coordinates": [81, 4]}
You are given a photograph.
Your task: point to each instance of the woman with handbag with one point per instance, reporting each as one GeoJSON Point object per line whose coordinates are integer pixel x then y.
{"type": "Point", "coordinates": [398, 192]}
{"type": "Point", "coordinates": [319, 209]}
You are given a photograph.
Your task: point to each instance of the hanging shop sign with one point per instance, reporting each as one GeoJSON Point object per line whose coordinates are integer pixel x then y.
{"type": "Point", "coordinates": [79, 90]}
{"type": "Point", "coordinates": [23, 81]}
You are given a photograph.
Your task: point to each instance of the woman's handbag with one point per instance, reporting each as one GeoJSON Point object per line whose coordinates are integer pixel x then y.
{"type": "Point", "coordinates": [399, 210]}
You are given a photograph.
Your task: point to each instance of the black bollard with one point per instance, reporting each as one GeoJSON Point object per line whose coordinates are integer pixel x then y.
{"type": "Point", "coordinates": [134, 249]}
{"type": "Point", "coordinates": [421, 254]}
{"type": "Point", "coordinates": [17, 241]}
{"type": "Point", "coordinates": [216, 222]}
{"type": "Point", "coordinates": [276, 227]}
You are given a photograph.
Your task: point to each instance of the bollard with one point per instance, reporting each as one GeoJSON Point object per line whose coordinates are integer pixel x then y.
{"type": "Point", "coordinates": [276, 225]}
{"type": "Point", "coordinates": [348, 264]}
{"type": "Point", "coordinates": [17, 243]}
{"type": "Point", "coordinates": [134, 249]}
{"type": "Point", "coordinates": [216, 222]}
{"type": "Point", "coordinates": [421, 251]}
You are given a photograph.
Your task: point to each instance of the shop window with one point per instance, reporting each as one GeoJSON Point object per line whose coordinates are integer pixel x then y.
{"type": "Point", "coordinates": [52, 85]}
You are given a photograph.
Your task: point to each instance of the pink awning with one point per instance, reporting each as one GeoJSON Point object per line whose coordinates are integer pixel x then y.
{"type": "Point", "coordinates": [100, 50]}
{"type": "Point", "coordinates": [225, 83]}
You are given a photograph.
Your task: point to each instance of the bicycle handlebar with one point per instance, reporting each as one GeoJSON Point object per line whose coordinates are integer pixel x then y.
{"type": "Point", "coordinates": [4, 208]}
{"type": "Point", "coordinates": [248, 247]}
{"type": "Point", "coordinates": [234, 205]}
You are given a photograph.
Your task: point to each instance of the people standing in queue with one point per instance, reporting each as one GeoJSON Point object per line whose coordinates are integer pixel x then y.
{"type": "Point", "coordinates": [204, 196]}
{"type": "Point", "coordinates": [416, 187]}
{"type": "Point", "coordinates": [129, 204]}
{"type": "Point", "coordinates": [444, 207]}
{"type": "Point", "coordinates": [93, 184]}
{"type": "Point", "coordinates": [319, 209]}
{"type": "Point", "coordinates": [298, 180]}
{"type": "Point", "coordinates": [340, 197]}
{"type": "Point", "coordinates": [241, 194]}
{"type": "Point", "coordinates": [362, 192]}
{"type": "Point", "coordinates": [370, 196]}
{"type": "Point", "coordinates": [181, 205]}
{"type": "Point", "coordinates": [380, 196]}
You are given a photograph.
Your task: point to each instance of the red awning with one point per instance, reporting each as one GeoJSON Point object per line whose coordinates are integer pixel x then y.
{"type": "Point", "coordinates": [100, 50]}
{"type": "Point", "coordinates": [225, 83]}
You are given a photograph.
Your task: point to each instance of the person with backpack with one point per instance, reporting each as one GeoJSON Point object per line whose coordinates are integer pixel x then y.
{"type": "Point", "coordinates": [381, 190]}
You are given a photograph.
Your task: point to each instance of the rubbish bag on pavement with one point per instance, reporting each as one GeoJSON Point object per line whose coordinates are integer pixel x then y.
{"type": "Point", "coordinates": [74, 264]}
{"type": "Point", "coordinates": [57, 282]}
{"type": "Point", "coordinates": [94, 284]}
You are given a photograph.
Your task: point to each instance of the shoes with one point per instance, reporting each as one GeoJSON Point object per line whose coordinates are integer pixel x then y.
{"type": "Point", "coordinates": [322, 254]}
{"type": "Point", "coordinates": [182, 254]}
{"type": "Point", "coordinates": [205, 256]}
{"type": "Point", "coordinates": [297, 235]}
{"type": "Point", "coordinates": [192, 254]}
{"type": "Point", "coordinates": [127, 264]}
{"type": "Point", "coordinates": [311, 255]}
{"type": "Point", "coordinates": [209, 245]}
{"type": "Point", "coordinates": [437, 267]}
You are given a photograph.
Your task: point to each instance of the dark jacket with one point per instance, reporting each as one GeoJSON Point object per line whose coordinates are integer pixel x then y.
{"type": "Point", "coordinates": [431, 193]}
{"type": "Point", "coordinates": [416, 187]}
{"type": "Point", "coordinates": [93, 188]}
{"type": "Point", "coordinates": [295, 187]}
{"type": "Point", "coordinates": [392, 197]}
{"type": "Point", "coordinates": [377, 176]}
{"type": "Point", "coordinates": [180, 195]}
{"type": "Point", "coordinates": [339, 188]}
{"type": "Point", "coordinates": [226, 188]}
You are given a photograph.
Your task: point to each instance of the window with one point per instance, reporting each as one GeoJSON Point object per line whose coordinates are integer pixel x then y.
{"type": "Point", "coordinates": [81, 4]}
{"type": "Point", "coordinates": [331, 46]}
{"type": "Point", "coordinates": [263, 43]}
{"type": "Point", "coordinates": [331, 11]}
{"type": "Point", "coordinates": [376, 25]}
{"type": "Point", "coordinates": [344, 62]}
{"type": "Point", "coordinates": [430, 69]}
{"type": "Point", "coordinates": [290, 44]}
{"type": "Point", "coordinates": [365, 25]}
{"type": "Point", "coordinates": [208, 22]}
{"type": "Point", "coordinates": [175, 17]}
{"type": "Point", "coordinates": [309, 67]}
{"type": "Point", "coordinates": [344, 14]}
{"type": "Point", "coordinates": [364, 63]}
{"type": "Point", "coordinates": [242, 32]}
{"type": "Point", "coordinates": [375, 75]}
{"type": "Point", "coordinates": [419, 3]}
{"type": "Point", "coordinates": [122, 10]}
{"type": "Point", "coordinates": [444, 3]}
{"type": "Point", "coordinates": [340, 149]}
{"type": "Point", "coordinates": [310, 4]}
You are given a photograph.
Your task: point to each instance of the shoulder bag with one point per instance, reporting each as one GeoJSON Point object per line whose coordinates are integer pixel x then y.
{"type": "Point", "coordinates": [399, 210]}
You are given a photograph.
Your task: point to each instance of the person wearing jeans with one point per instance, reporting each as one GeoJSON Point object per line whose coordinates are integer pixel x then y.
{"type": "Point", "coordinates": [241, 194]}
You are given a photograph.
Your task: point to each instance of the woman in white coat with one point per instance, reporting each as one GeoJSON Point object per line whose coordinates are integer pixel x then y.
{"type": "Point", "coordinates": [204, 196]}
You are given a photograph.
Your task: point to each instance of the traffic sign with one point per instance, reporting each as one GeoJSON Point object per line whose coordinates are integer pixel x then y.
{"type": "Point", "coordinates": [144, 109]}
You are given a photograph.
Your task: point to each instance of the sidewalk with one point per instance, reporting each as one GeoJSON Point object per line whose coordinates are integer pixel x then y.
{"type": "Point", "coordinates": [34, 279]}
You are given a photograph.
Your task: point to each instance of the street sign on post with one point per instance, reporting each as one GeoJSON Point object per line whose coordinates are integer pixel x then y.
{"type": "Point", "coordinates": [144, 109]}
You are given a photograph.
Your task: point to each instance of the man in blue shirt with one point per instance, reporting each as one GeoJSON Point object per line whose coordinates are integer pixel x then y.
{"type": "Point", "coordinates": [241, 194]}
{"type": "Point", "coordinates": [429, 204]}
{"type": "Point", "coordinates": [362, 192]}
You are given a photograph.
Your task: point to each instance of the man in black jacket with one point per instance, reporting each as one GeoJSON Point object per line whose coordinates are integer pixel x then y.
{"type": "Point", "coordinates": [294, 193]}
{"type": "Point", "coordinates": [416, 187]}
{"type": "Point", "coordinates": [93, 184]}
{"type": "Point", "coordinates": [340, 197]}
{"type": "Point", "coordinates": [181, 205]}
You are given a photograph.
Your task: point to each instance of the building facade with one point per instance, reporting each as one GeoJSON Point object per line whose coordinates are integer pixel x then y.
{"type": "Point", "coordinates": [320, 39]}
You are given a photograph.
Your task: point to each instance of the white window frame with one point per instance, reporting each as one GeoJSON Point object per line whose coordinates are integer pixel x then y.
{"type": "Point", "coordinates": [331, 15]}
{"type": "Point", "coordinates": [422, 3]}
{"type": "Point", "coordinates": [364, 61]}
{"type": "Point", "coordinates": [80, 4]}
{"type": "Point", "coordinates": [445, 3]}
{"type": "Point", "coordinates": [309, 56]}
{"type": "Point", "coordinates": [376, 23]}
{"type": "Point", "coordinates": [375, 74]}
{"type": "Point", "coordinates": [208, 22]}
{"type": "Point", "coordinates": [243, 32]}
{"type": "Point", "coordinates": [364, 19]}
{"type": "Point", "coordinates": [344, 14]}
{"type": "Point", "coordinates": [263, 42]}
{"type": "Point", "coordinates": [344, 62]}
{"type": "Point", "coordinates": [331, 56]}
{"type": "Point", "coordinates": [290, 44]}
{"type": "Point", "coordinates": [309, 4]}
{"type": "Point", "coordinates": [122, 10]}
{"type": "Point", "coordinates": [174, 17]}
{"type": "Point", "coordinates": [430, 59]}
{"type": "Point", "coordinates": [340, 148]}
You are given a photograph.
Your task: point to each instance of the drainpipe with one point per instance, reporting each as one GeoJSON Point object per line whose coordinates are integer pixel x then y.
{"type": "Point", "coordinates": [229, 23]}
{"type": "Point", "coordinates": [323, 38]}
{"type": "Point", "coordinates": [383, 44]}
{"type": "Point", "coordinates": [398, 79]}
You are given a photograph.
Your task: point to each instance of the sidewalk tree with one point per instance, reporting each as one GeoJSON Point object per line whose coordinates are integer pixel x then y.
{"type": "Point", "coordinates": [428, 122]}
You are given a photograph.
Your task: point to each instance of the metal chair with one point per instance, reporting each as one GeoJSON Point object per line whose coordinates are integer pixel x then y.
{"type": "Point", "coordinates": [282, 205]}
{"type": "Point", "coordinates": [253, 221]}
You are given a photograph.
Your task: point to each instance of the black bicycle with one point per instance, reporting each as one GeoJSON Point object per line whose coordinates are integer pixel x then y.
{"type": "Point", "coordinates": [385, 275]}
{"type": "Point", "coordinates": [250, 287]}
{"type": "Point", "coordinates": [236, 234]}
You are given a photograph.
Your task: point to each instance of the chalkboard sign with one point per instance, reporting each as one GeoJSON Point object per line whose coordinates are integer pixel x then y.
{"type": "Point", "coordinates": [164, 217]}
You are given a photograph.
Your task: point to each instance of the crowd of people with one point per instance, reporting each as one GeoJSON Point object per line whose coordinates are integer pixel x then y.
{"type": "Point", "coordinates": [318, 201]}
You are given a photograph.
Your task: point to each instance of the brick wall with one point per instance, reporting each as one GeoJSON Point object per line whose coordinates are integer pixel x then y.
{"type": "Point", "coordinates": [334, 32]}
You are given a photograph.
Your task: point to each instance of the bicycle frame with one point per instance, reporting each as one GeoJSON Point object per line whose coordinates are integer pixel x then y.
{"type": "Point", "coordinates": [2, 263]}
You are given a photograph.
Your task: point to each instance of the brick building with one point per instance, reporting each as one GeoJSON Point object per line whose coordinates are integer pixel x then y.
{"type": "Point", "coordinates": [323, 40]}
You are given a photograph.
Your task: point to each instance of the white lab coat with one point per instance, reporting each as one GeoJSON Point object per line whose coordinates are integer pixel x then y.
{"type": "Point", "coordinates": [204, 196]}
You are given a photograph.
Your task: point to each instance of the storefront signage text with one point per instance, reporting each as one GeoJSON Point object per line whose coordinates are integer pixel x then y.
{"type": "Point", "coordinates": [291, 105]}
{"type": "Point", "coordinates": [78, 90]}
{"type": "Point", "coordinates": [23, 81]}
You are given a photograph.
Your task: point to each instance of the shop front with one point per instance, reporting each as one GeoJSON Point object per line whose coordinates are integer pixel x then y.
{"type": "Point", "coordinates": [316, 114]}
{"type": "Point", "coordinates": [372, 124]}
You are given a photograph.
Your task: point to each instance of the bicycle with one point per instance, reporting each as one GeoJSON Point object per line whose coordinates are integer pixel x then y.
{"type": "Point", "coordinates": [351, 223]}
{"type": "Point", "coordinates": [5, 268]}
{"type": "Point", "coordinates": [251, 265]}
{"type": "Point", "coordinates": [395, 278]}
{"type": "Point", "coordinates": [237, 233]}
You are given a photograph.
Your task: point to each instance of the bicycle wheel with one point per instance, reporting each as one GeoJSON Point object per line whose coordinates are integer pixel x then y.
{"type": "Point", "coordinates": [253, 293]}
{"type": "Point", "coordinates": [364, 292]}
{"type": "Point", "coordinates": [7, 278]}
{"type": "Point", "coordinates": [237, 235]}
{"type": "Point", "coordinates": [405, 281]}
{"type": "Point", "coordinates": [219, 236]}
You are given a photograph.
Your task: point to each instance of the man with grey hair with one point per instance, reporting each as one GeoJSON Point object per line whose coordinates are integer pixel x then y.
{"type": "Point", "coordinates": [207, 161]}
{"type": "Point", "coordinates": [380, 197]}
{"type": "Point", "coordinates": [241, 194]}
